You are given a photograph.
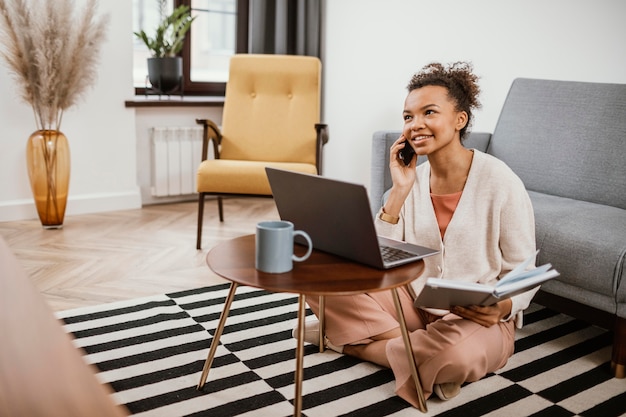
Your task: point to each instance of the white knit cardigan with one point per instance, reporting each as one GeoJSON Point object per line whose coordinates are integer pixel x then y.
{"type": "Point", "coordinates": [492, 229]}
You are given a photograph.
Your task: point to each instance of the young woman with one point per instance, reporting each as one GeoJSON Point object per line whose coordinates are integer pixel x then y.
{"type": "Point", "coordinates": [472, 207]}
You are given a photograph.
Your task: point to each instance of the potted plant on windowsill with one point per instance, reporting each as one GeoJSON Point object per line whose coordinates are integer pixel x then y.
{"type": "Point", "coordinates": [165, 68]}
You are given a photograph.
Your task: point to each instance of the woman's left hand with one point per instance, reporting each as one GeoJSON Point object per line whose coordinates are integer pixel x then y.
{"type": "Point", "coordinates": [485, 315]}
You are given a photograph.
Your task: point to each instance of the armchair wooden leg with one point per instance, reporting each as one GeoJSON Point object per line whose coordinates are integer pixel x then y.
{"type": "Point", "coordinates": [220, 208]}
{"type": "Point", "coordinates": [200, 217]}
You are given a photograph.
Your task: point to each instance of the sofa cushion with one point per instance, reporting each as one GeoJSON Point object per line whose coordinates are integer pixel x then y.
{"type": "Point", "coordinates": [584, 242]}
{"type": "Point", "coordinates": [565, 138]}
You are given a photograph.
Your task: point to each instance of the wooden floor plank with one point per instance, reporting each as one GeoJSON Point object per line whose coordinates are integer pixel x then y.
{"type": "Point", "coordinates": [105, 257]}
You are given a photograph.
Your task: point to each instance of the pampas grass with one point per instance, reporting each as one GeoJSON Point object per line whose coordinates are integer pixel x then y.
{"type": "Point", "coordinates": [52, 51]}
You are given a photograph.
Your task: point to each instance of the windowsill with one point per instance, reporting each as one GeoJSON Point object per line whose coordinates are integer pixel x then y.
{"type": "Point", "coordinates": [175, 101]}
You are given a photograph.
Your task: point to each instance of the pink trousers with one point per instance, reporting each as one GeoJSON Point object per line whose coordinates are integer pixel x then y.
{"type": "Point", "coordinates": [446, 349]}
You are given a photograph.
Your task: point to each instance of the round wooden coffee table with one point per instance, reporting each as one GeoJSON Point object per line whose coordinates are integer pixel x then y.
{"type": "Point", "coordinates": [322, 274]}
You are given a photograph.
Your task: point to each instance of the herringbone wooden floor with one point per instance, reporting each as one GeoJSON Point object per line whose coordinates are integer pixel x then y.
{"type": "Point", "coordinates": [105, 257]}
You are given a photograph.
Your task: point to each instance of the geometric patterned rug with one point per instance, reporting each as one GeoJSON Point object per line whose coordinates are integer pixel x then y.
{"type": "Point", "coordinates": [151, 352]}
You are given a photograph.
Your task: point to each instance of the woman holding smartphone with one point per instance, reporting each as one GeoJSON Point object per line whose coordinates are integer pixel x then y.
{"type": "Point", "coordinates": [473, 207]}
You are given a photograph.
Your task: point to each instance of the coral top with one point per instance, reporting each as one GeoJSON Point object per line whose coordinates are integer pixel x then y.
{"type": "Point", "coordinates": [444, 206]}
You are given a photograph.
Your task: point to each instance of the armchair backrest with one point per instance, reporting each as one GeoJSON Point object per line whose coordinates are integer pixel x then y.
{"type": "Point", "coordinates": [271, 107]}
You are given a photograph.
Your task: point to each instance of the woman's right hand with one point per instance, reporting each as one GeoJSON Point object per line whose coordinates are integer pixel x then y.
{"type": "Point", "coordinates": [403, 176]}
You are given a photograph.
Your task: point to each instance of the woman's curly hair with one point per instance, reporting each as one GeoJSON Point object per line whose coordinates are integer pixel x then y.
{"type": "Point", "coordinates": [458, 78]}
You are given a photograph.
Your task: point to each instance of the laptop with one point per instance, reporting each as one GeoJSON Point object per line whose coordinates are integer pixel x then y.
{"type": "Point", "coordinates": [338, 218]}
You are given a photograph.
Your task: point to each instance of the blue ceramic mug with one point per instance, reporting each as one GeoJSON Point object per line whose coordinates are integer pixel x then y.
{"type": "Point", "coordinates": [274, 246]}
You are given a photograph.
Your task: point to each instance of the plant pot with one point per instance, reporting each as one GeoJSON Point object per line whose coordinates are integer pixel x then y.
{"type": "Point", "coordinates": [48, 160]}
{"type": "Point", "coordinates": [165, 74]}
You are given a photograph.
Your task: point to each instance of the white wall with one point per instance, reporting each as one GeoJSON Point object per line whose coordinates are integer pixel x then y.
{"type": "Point", "coordinates": [100, 130]}
{"type": "Point", "coordinates": [147, 118]}
{"type": "Point", "coordinates": [372, 48]}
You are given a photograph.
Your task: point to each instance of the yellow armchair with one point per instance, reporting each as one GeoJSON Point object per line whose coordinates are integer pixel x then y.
{"type": "Point", "coordinates": [271, 118]}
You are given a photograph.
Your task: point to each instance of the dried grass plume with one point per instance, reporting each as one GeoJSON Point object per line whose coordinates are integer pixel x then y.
{"type": "Point", "coordinates": [52, 50]}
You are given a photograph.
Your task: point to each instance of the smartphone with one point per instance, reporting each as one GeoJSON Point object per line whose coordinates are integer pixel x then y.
{"type": "Point", "coordinates": [407, 153]}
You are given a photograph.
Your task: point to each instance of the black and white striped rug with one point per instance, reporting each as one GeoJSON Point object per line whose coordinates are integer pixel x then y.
{"type": "Point", "coordinates": [151, 351]}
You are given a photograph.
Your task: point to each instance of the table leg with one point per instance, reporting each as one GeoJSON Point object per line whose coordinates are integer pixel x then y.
{"type": "Point", "coordinates": [297, 400]}
{"type": "Point", "coordinates": [409, 351]}
{"type": "Point", "coordinates": [218, 333]}
{"type": "Point", "coordinates": [322, 322]}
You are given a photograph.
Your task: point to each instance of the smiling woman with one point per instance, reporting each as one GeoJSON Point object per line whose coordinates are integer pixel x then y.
{"type": "Point", "coordinates": [458, 201]}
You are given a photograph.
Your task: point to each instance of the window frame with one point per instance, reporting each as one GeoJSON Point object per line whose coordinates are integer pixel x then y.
{"type": "Point", "coordinates": [197, 88]}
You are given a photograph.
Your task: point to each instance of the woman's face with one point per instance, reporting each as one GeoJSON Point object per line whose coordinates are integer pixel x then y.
{"type": "Point", "coordinates": [431, 121]}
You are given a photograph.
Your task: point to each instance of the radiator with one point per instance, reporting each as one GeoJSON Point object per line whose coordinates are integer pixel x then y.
{"type": "Point", "coordinates": [176, 154]}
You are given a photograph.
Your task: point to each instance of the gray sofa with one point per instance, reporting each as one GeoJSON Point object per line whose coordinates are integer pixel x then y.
{"type": "Point", "coordinates": [567, 142]}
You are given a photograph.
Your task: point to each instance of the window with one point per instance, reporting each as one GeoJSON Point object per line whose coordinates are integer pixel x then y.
{"type": "Point", "coordinates": [219, 30]}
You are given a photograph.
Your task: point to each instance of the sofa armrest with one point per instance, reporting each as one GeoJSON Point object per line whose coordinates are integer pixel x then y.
{"type": "Point", "coordinates": [380, 177]}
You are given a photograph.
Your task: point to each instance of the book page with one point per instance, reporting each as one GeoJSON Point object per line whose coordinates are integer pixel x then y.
{"type": "Point", "coordinates": [524, 275]}
{"type": "Point", "coordinates": [519, 269]}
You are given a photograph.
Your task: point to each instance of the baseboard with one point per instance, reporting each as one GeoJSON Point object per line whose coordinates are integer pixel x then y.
{"type": "Point", "coordinates": [16, 210]}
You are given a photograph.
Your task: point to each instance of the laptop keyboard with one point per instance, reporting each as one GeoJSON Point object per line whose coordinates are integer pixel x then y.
{"type": "Point", "coordinates": [394, 254]}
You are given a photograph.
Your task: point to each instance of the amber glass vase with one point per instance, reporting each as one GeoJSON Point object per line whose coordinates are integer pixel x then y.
{"type": "Point", "coordinates": [48, 158]}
